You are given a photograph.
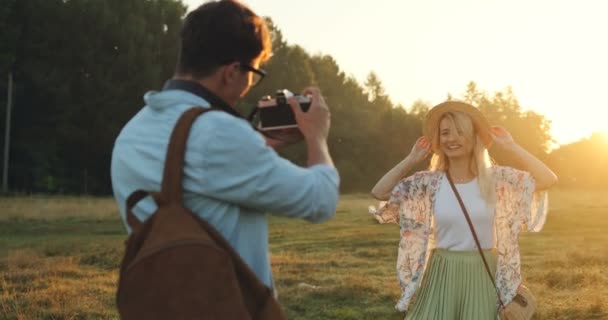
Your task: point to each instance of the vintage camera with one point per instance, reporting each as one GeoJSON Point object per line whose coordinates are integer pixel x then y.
{"type": "Point", "coordinates": [275, 113]}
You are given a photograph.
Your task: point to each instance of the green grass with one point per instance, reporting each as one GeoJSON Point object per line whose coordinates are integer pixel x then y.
{"type": "Point", "coordinates": [59, 260]}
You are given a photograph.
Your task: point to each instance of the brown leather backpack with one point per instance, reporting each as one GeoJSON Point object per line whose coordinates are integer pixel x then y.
{"type": "Point", "coordinates": [177, 266]}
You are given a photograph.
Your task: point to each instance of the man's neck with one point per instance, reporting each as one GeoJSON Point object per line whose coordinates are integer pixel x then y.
{"type": "Point", "coordinates": [210, 84]}
{"type": "Point", "coordinates": [198, 88]}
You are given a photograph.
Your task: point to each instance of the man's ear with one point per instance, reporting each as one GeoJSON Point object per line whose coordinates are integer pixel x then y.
{"type": "Point", "coordinates": [230, 73]}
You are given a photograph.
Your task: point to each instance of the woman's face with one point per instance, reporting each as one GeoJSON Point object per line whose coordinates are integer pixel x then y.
{"type": "Point", "coordinates": [453, 144]}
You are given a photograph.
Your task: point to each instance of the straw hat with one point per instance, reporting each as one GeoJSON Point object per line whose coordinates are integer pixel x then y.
{"type": "Point", "coordinates": [433, 117]}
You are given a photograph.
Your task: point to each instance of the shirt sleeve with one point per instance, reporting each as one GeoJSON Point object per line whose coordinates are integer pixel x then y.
{"type": "Point", "coordinates": [240, 168]}
{"type": "Point", "coordinates": [530, 205]}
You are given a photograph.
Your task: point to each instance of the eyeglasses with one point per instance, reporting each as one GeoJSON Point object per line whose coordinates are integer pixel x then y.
{"type": "Point", "coordinates": [258, 74]}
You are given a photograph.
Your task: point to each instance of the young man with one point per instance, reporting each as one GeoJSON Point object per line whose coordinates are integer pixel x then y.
{"type": "Point", "coordinates": [231, 175]}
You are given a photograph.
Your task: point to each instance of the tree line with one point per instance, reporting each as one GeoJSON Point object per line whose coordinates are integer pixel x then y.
{"type": "Point", "coordinates": [81, 68]}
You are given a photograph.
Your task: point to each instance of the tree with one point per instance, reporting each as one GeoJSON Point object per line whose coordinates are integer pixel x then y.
{"type": "Point", "coordinates": [419, 109]}
{"type": "Point", "coordinates": [529, 129]}
{"type": "Point", "coordinates": [582, 163]}
{"type": "Point", "coordinates": [75, 90]}
{"type": "Point", "coordinates": [374, 87]}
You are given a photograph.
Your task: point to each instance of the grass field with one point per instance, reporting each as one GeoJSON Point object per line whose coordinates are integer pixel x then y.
{"type": "Point", "coordinates": [59, 260]}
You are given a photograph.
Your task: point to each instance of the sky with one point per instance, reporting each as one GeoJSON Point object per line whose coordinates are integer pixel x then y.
{"type": "Point", "coordinates": [552, 53]}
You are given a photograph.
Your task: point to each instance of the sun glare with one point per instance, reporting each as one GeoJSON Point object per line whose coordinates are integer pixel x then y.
{"type": "Point", "coordinates": [599, 139]}
{"type": "Point", "coordinates": [604, 137]}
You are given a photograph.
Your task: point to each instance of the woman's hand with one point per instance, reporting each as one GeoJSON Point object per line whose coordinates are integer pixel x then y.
{"type": "Point", "coordinates": [420, 150]}
{"type": "Point", "coordinates": [502, 137]}
{"type": "Point", "coordinates": [543, 176]}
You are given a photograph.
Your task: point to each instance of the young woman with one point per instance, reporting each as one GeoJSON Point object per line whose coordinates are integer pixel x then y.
{"type": "Point", "coordinates": [441, 273]}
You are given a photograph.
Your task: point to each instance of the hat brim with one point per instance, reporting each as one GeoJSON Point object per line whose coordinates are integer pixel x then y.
{"type": "Point", "coordinates": [480, 122]}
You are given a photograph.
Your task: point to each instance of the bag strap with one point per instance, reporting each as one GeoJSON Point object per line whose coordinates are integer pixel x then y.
{"type": "Point", "coordinates": [470, 223]}
{"type": "Point", "coordinates": [171, 187]}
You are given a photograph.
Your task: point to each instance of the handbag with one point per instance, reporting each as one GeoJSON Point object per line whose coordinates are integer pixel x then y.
{"type": "Point", "coordinates": [523, 305]}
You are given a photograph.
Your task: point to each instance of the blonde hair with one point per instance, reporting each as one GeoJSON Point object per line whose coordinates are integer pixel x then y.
{"type": "Point", "coordinates": [480, 161]}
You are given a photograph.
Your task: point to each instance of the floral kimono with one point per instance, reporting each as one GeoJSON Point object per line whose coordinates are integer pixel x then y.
{"type": "Point", "coordinates": [412, 205]}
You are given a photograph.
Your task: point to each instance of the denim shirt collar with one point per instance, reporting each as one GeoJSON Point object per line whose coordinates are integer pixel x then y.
{"type": "Point", "coordinates": [200, 91]}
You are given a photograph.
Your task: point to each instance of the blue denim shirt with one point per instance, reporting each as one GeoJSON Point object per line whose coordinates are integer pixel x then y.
{"type": "Point", "coordinates": [231, 178]}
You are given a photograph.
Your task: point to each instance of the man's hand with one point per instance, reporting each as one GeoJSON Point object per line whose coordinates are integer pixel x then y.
{"type": "Point", "coordinates": [314, 124]}
{"type": "Point", "coordinates": [277, 139]}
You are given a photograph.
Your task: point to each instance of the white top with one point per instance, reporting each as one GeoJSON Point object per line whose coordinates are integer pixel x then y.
{"type": "Point", "coordinates": [451, 229]}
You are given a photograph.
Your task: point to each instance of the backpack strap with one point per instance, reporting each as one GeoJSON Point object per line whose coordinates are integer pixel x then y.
{"type": "Point", "coordinates": [171, 189]}
{"type": "Point", "coordinates": [132, 200]}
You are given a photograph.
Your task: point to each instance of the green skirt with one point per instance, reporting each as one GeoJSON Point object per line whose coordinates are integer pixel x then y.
{"type": "Point", "coordinates": [456, 286]}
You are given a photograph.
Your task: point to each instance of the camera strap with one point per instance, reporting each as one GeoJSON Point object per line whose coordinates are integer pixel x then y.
{"type": "Point", "coordinates": [253, 112]}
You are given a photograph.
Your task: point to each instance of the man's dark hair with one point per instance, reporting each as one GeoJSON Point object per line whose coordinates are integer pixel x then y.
{"type": "Point", "coordinates": [219, 33]}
